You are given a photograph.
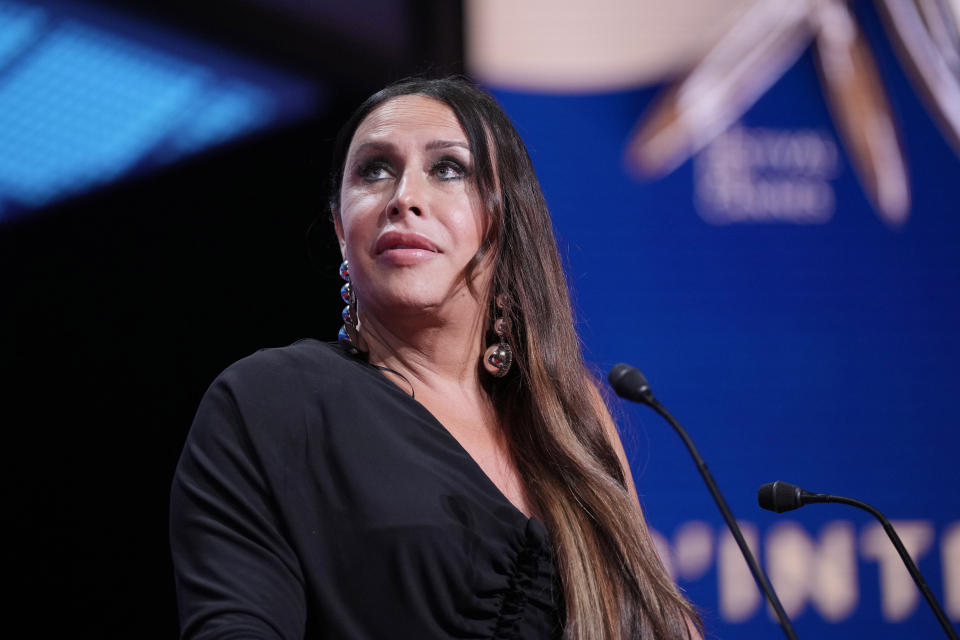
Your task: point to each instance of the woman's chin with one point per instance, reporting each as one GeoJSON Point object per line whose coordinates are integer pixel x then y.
{"type": "Point", "coordinates": [420, 300]}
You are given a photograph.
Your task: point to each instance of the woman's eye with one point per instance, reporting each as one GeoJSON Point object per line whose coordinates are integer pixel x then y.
{"type": "Point", "coordinates": [373, 170]}
{"type": "Point", "coordinates": [449, 170]}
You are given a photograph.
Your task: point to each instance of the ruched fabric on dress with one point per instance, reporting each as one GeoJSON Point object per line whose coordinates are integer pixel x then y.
{"type": "Point", "coordinates": [530, 586]}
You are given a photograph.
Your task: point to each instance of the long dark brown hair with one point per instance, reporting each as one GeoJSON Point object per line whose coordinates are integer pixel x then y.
{"type": "Point", "coordinates": [554, 420]}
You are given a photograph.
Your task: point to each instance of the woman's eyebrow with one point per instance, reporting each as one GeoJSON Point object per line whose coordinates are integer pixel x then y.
{"type": "Point", "coordinates": [444, 144]}
{"type": "Point", "coordinates": [373, 146]}
{"type": "Point", "coordinates": [386, 145]}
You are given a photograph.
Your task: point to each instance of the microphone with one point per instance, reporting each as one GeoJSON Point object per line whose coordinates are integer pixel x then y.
{"type": "Point", "coordinates": [781, 496]}
{"type": "Point", "coordinates": [630, 384]}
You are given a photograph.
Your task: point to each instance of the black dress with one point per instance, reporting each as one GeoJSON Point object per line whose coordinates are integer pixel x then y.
{"type": "Point", "coordinates": [316, 499]}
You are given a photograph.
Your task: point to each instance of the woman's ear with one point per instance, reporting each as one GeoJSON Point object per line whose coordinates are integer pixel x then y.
{"type": "Point", "coordinates": [338, 227]}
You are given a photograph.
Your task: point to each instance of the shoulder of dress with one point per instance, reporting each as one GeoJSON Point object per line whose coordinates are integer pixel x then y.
{"type": "Point", "coordinates": [307, 357]}
{"type": "Point", "coordinates": [276, 378]}
{"type": "Point", "coordinates": [277, 390]}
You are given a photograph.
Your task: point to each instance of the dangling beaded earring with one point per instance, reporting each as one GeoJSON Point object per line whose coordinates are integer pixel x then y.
{"type": "Point", "coordinates": [498, 357]}
{"type": "Point", "coordinates": [348, 332]}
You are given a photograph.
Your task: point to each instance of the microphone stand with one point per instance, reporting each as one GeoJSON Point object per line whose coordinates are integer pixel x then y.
{"type": "Point", "coordinates": [798, 497]}
{"type": "Point", "coordinates": [645, 396]}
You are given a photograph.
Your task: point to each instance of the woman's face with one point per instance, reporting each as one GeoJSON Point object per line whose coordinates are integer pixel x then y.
{"type": "Point", "coordinates": [410, 220]}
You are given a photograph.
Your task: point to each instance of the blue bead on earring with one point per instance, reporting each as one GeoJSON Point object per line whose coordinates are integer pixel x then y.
{"type": "Point", "coordinates": [348, 332]}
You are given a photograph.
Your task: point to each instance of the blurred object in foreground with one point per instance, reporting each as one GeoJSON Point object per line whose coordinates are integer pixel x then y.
{"type": "Point", "coordinates": [765, 42]}
{"type": "Point", "coordinates": [927, 35]}
{"type": "Point", "coordinates": [574, 46]}
{"type": "Point", "coordinates": [751, 57]}
{"type": "Point", "coordinates": [88, 97]}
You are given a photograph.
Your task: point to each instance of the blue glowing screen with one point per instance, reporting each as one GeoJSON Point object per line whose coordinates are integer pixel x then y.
{"type": "Point", "coordinates": [87, 97]}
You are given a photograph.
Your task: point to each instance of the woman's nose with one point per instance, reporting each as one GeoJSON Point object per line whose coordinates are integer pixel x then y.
{"type": "Point", "coordinates": [408, 196]}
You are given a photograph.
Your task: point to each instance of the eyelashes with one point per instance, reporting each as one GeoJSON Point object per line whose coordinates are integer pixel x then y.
{"type": "Point", "coordinates": [445, 169]}
{"type": "Point", "coordinates": [373, 170]}
{"type": "Point", "coordinates": [449, 169]}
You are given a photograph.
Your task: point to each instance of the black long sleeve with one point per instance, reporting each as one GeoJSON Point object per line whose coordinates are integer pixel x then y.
{"type": "Point", "coordinates": [236, 575]}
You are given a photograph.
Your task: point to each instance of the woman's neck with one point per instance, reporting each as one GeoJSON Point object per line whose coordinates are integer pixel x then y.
{"type": "Point", "coordinates": [435, 354]}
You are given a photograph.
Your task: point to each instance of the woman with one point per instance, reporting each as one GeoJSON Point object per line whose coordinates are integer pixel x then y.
{"type": "Point", "coordinates": [449, 470]}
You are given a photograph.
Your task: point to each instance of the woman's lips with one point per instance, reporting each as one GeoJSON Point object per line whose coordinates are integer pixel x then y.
{"type": "Point", "coordinates": [405, 248]}
{"type": "Point", "coordinates": [397, 240]}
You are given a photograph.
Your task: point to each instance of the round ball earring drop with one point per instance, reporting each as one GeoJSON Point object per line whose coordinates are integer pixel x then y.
{"type": "Point", "coordinates": [498, 357]}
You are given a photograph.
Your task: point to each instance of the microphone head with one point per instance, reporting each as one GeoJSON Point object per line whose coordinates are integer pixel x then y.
{"type": "Point", "coordinates": [780, 496]}
{"type": "Point", "coordinates": [629, 383]}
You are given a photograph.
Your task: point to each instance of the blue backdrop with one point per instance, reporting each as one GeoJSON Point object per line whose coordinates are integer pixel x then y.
{"type": "Point", "coordinates": [794, 333]}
